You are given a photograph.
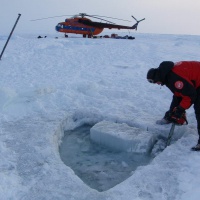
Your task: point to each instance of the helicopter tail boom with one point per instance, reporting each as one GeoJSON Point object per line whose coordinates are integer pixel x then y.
{"type": "Point", "coordinates": [108, 25]}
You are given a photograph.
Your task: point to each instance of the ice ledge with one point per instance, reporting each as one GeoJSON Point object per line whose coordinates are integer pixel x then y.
{"type": "Point", "coordinates": [122, 137]}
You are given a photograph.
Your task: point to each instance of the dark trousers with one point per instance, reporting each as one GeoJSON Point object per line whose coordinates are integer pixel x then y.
{"type": "Point", "coordinates": [197, 111]}
{"type": "Point", "coordinates": [176, 101]}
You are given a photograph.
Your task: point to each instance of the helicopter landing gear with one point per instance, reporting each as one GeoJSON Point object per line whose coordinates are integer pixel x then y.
{"type": "Point", "coordinates": [89, 36]}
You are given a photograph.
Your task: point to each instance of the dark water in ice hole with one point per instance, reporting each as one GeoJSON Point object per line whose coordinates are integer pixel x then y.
{"type": "Point", "coordinates": [99, 167]}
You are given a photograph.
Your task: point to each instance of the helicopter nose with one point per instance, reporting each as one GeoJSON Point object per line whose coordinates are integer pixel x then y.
{"type": "Point", "coordinates": [57, 27]}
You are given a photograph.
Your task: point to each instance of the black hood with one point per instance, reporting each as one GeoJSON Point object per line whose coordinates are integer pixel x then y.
{"type": "Point", "coordinates": [163, 70]}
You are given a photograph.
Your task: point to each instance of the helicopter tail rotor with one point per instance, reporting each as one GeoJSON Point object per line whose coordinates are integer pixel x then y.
{"type": "Point", "coordinates": [137, 22]}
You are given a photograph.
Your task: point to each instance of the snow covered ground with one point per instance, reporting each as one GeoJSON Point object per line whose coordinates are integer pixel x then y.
{"type": "Point", "coordinates": [50, 85]}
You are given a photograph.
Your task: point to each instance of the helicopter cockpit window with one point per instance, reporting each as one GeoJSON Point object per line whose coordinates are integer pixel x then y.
{"type": "Point", "coordinates": [60, 25]}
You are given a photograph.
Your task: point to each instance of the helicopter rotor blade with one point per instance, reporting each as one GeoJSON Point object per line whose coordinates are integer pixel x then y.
{"type": "Point", "coordinates": [111, 18]}
{"type": "Point", "coordinates": [49, 17]}
{"type": "Point", "coordinates": [100, 19]}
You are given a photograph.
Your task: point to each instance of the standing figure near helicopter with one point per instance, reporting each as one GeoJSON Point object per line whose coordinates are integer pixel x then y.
{"type": "Point", "coordinates": [183, 79]}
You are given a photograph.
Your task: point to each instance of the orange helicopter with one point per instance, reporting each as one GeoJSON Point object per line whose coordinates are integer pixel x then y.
{"type": "Point", "coordinates": [80, 24]}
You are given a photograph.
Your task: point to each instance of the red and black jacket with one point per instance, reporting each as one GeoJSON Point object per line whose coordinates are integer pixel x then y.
{"type": "Point", "coordinates": [182, 79]}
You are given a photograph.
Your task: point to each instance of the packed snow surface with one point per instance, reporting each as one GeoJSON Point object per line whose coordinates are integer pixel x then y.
{"type": "Point", "coordinates": [50, 85]}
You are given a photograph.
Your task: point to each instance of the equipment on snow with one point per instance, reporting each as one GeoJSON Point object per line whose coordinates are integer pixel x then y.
{"type": "Point", "coordinates": [10, 36]}
{"type": "Point", "coordinates": [163, 121]}
{"type": "Point", "coordinates": [171, 132]}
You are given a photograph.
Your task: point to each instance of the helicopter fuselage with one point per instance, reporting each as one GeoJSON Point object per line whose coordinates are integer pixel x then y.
{"type": "Point", "coordinates": [74, 25]}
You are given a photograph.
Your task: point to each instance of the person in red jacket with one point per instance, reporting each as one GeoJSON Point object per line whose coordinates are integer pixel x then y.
{"type": "Point", "coordinates": [183, 79]}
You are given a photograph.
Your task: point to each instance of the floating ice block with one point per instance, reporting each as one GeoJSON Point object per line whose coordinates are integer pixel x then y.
{"type": "Point", "coordinates": [122, 137]}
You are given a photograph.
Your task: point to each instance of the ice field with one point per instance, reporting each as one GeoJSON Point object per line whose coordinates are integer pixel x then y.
{"type": "Point", "coordinates": [50, 87]}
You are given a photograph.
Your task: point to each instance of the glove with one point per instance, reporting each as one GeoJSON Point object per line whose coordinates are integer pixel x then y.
{"type": "Point", "coordinates": [165, 119]}
{"type": "Point", "coordinates": [178, 116]}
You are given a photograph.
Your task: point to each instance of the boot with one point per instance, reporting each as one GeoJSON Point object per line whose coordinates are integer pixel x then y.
{"type": "Point", "coordinates": [196, 148]}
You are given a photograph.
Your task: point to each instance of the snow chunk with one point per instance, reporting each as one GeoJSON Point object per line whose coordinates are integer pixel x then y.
{"type": "Point", "coordinates": [122, 137]}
